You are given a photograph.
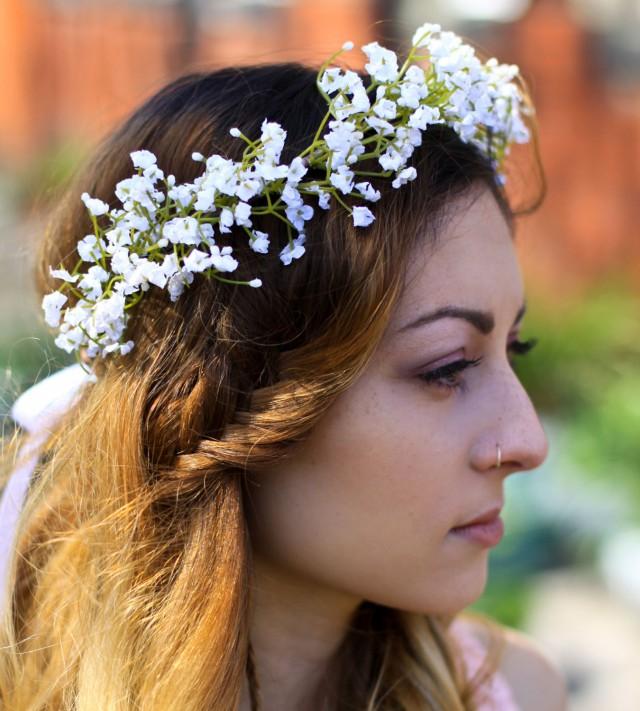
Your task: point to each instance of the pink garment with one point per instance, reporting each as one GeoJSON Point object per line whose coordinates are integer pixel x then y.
{"type": "Point", "coordinates": [495, 694]}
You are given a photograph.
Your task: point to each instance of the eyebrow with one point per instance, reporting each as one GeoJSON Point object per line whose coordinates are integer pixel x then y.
{"type": "Point", "coordinates": [482, 320]}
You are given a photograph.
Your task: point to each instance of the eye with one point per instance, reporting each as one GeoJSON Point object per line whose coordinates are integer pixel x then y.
{"type": "Point", "coordinates": [520, 348]}
{"type": "Point", "coordinates": [449, 376]}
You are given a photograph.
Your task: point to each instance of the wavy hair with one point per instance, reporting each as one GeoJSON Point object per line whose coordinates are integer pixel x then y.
{"type": "Point", "coordinates": [132, 576]}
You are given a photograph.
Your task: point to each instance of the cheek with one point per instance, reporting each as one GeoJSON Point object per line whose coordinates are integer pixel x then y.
{"type": "Point", "coordinates": [365, 503]}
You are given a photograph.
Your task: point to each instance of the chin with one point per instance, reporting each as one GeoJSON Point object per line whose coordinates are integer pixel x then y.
{"type": "Point", "coordinates": [459, 592]}
{"type": "Point", "coordinates": [449, 600]}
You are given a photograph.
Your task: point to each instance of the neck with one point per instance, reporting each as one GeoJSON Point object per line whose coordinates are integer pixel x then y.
{"type": "Point", "coordinates": [296, 628]}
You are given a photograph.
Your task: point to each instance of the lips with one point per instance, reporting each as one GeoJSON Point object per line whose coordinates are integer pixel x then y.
{"type": "Point", "coordinates": [486, 517]}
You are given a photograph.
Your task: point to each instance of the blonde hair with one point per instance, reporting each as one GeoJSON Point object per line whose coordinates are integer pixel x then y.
{"type": "Point", "coordinates": [132, 572]}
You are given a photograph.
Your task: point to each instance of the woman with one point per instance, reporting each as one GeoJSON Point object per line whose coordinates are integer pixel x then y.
{"type": "Point", "coordinates": [264, 497]}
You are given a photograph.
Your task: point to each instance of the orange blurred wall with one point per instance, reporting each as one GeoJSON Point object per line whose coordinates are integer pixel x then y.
{"type": "Point", "coordinates": [74, 70]}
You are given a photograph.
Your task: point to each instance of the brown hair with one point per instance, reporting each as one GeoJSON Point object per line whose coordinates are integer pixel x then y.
{"type": "Point", "coordinates": [132, 575]}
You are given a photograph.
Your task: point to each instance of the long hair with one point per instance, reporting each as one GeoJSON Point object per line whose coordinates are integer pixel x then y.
{"type": "Point", "coordinates": [130, 583]}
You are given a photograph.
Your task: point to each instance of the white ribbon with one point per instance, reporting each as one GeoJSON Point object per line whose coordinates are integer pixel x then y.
{"type": "Point", "coordinates": [37, 410]}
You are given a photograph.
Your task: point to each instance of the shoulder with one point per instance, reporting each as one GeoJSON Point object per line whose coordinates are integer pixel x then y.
{"type": "Point", "coordinates": [535, 682]}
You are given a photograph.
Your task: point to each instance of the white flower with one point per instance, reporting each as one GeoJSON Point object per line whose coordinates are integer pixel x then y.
{"type": "Point", "coordinates": [79, 314]}
{"type": "Point", "coordinates": [353, 83]}
{"type": "Point", "coordinates": [248, 186]}
{"type": "Point", "coordinates": [177, 282]}
{"type": "Point", "coordinates": [170, 265]}
{"type": "Point", "coordinates": [415, 75]}
{"type": "Point", "coordinates": [298, 214]}
{"type": "Point", "coordinates": [269, 171]}
{"type": "Point", "coordinates": [362, 216]}
{"type": "Point", "coordinates": [331, 80]}
{"type": "Point", "coordinates": [138, 190]}
{"type": "Point", "coordinates": [133, 221]}
{"type": "Point", "coordinates": [182, 230]}
{"type": "Point", "coordinates": [226, 220]}
{"type": "Point", "coordinates": [342, 179]}
{"type": "Point", "coordinates": [324, 200]}
{"type": "Point", "coordinates": [404, 176]}
{"type": "Point", "coordinates": [408, 137]}
{"type": "Point", "coordinates": [324, 197]}
{"type": "Point", "coordinates": [351, 86]}
{"type": "Point", "coordinates": [272, 137]}
{"type": "Point", "coordinates": [382, 64]}
{"type": "Point", "coordinates": [297, 170]}
{"type": "Point", "coordinates": [116, 238]}
{"type": "Point", "coordinates": [381, 126]}
{"type": "Point", "coordinates": [70, 340]}
{"type": "Point", "coordinates": [221, 174]}
{"type": "Point", "coordinates": [291, 197]}
{"type": "Point", "coordinates": [143, 159]}
{"type": "Point", "coordinates": [242, 214]}
{"type": "Point", "coordinates": [413, 88]}
{"type": "Point", "coordinates": [391, 159]}
{"type": "Point", "coordinates": [89, 248]}
{"type": "Point", "coordinates": [96, 207]}
{"type": "Point", "coordinates": [466, 128]}
{"type": "Point", "coordinates": [154, 274]}
{"type": "Point", "coordinates": [120, 262]}
{"type": "Point", "coordinates": [90, 287]}
{"type": "Point", "coordinates": [197, 157]}
{"type": "Point", "coordinates": [423, 116]}
{"type": "Point", "coordinates": [197, 261]}
{"type": "Point", "coordinates": [293, 250]}
{"type": "Point", "coordinates": [368, 191]}
{"type": "Point", "coordinates": [422, 34]}
{"type": "Point", "coordinates": [108, 315]}
{"type": "Point", "coordinates": [260, 243]}
{"type": "Point", "coordinates": [343, 139]}
{"type": "Point", "coordinates": [205, 198]}
{"type": "Point", "coordinates": [64, 275]}
{"type": "Point", "coordinates": [222, 259]}
{"type": "Point", "coordinates": [182, 194]}
{"type": "Point", "coordinates": [91, 282]}
{"type": "Point", "coordinates": [145, 272]}
{"type": "Point", "coordinates": [52, 303]}
{"type": "Point", "coordinates": [385, 109]}
{"type": "Point", "coordinates": [97, 272]}
{"type": "Point", "coordinates": [255, 283]}
{"type": "Point", "coordinates": [443, 46]}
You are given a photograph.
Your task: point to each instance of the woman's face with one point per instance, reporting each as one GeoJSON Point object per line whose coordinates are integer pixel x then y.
{"type": "Point", "coordinates": [366, 504]}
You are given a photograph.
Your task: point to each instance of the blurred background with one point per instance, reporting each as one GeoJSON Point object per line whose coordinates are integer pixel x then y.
{"type": "Point", "coordinates": [568, 570]}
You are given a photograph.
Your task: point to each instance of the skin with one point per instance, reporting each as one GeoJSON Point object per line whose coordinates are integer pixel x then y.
{"type": "Point", "coordinates": [364, 508]}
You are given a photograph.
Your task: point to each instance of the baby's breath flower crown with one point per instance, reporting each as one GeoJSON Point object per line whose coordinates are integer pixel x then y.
{"type": "Point", "coordinates": [165, 232]}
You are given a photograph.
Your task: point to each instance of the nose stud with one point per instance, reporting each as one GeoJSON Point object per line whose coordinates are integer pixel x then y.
{"type": "Point", "coordinates": [498, 456]}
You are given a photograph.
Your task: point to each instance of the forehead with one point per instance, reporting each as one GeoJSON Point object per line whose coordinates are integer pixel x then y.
{"type": "Point", "coordinates": [472, 263]}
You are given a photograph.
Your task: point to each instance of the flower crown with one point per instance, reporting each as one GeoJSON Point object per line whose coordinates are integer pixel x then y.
{"type": "Point", "coordinates": [165, 232]}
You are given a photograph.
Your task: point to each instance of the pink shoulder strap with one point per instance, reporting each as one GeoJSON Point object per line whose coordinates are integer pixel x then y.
{"type": "Point", "coordinates": [495, 694]}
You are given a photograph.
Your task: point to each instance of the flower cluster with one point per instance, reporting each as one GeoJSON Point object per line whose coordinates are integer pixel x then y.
{"type": "Point", "coordinates": [163, 233]}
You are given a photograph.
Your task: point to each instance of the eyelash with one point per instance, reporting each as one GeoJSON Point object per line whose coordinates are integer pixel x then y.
{"type": "Point", "coordinates": [447, 376]}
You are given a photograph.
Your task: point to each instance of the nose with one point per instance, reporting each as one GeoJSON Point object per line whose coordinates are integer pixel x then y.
{"type": "Point", "coordinates": [514, 426]}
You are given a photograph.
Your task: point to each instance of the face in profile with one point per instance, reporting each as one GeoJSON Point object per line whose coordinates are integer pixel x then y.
{"type": "Point", "coordinates": [365, 507]}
